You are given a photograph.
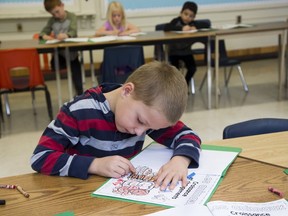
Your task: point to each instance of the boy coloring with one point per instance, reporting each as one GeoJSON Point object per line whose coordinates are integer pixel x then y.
{"type": "Point", "coordinates": [100, 130]}
{"type": "Point", "coordinates": [62, 25]}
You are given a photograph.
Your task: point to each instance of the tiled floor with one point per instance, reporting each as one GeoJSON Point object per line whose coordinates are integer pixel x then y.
{"type": "Point", "coordinates": [21, 131]}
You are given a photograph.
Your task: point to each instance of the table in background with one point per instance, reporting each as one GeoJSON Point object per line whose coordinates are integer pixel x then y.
{"type": "Point", "coordinates": [148, 39]}
{"type": "Point", "coordinates": [277, 28]}
{"type": "Point", "coordinates": [269, 148]}
{"type": "Point", "coordinates": [246, 180]}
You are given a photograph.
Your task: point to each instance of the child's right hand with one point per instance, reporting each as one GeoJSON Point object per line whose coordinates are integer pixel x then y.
{"type": "Point", "coordinates": [111, 166]}
{"type": "Point", "coordinates": [47, 37]}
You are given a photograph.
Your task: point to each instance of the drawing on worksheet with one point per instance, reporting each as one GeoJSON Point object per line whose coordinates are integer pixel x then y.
{"type": "Point", "coordinates": [139, 183]}
{"type": "Point", "coordinates": [140, 186]}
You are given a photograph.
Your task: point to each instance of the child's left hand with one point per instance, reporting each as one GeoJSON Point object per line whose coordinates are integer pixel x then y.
{"type": "Point", "coordinates": [172, 172]}
{"type": "Point", "coordinates": [62, 36]}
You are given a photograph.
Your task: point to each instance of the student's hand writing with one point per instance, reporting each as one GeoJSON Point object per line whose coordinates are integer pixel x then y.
{"type": "Point", "coordinates": [172, 172]}
{"type": "Point", "coordinates": [188, 28]}
{"type": "Point", "coordinates": [47, 37]}
{"type": "Point", "coordinates": [111, 166]}
{"type": "Point", "coordinates": [62, 36]}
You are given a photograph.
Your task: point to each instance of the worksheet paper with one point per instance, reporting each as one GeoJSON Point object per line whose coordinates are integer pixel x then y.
{"type": "Point", "coordinates": [140, 187]}
{"type": "Point", "coordinates": [222, 208]}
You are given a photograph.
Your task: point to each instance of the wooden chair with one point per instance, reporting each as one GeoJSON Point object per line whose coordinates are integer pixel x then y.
{"type": "Point", "coordinates": [30, 79]}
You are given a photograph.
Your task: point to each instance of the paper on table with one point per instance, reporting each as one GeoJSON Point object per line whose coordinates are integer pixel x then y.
{"type": "Point", "coordinates": [111, 38]}
{"type": "Point", "coordinates": [197, 210]}
{"type": "Point", "coordinates": [220, 208]}
{"type": "Point", "coordinates": [76, 39]}
{"type": "Point", "coordinates": [241, 25]}
{"type": "Point", "coordinates": [219, 159]}
{"type": "Point", "coordinates": [103, 38]}
{"type": "Point", "coordinates": [274, 208]}
{"type": "Point", "coordinates": [125, 38]}
{"type": "Point", "coordinates": [200, 186]}
{"type": "Point", "coordinates": [53, 41]}
{"type": "Point", "coordinates": [137, 34]}
{"type": "Point", "coordinates": [186, 32]}
{"type": "Point", "coordinates": [67, 40]}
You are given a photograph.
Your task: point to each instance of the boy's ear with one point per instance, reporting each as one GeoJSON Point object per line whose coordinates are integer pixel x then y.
{"type": "Point", "coordinates": [127, 89]}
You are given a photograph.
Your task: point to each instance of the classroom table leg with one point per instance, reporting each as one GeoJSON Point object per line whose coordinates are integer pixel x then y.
{"type": "Point", "coordinates": [94, 81]}
{"type": "Point", "coordinates": [58, 78]}
{"type": "Point", "coordinates": [209, 77]}
{"type": "Point", "coordinates": [69, 76]}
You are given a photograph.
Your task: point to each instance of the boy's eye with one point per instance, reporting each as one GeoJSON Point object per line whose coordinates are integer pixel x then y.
{"type": "Point", "coordinates": [140, 122]}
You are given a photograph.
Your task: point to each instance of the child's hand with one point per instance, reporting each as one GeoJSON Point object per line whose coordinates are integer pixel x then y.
{"type": "Point", "coordinates": [111, 166]}
{"type": "Point", "coordinates": [188, 28]}
{"type": "Point", "coordinates": [62, 36]}
{"type": "Point", "coordinates": [172, 172]}
{"type": "Point", "coordinates": [47, 37]}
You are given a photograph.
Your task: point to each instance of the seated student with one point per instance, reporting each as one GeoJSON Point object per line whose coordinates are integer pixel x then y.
{"type": "Point", "coordinates": [182, 51]}
{"type": "Point", "coordinates": [116, 23]}
{"type": "Point", "coordinates": [62, 25]}
{"type": "Point", "coordinates": [100, 130]}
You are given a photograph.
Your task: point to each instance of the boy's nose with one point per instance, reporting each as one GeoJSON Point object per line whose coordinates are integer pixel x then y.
{"type": "Point", "coordinates": [139, 131]}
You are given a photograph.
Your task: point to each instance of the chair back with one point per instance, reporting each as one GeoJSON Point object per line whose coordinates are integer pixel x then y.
{"type": "Point", "coordinates": [255, 127]}
{"type": "Point", "coordinates": [120, 61]}
{"type": "Point", "coordinates": [25, 59]}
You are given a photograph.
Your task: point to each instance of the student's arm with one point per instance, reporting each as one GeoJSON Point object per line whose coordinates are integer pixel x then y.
{"type": "Point", "coordinates": [50, 156]}
{"type": "Point", "coordinates": [102, 31]}
{"type": "Point", "coordinates": [186, 145]}
{"type": "Point", "coordinates": [47, 30]}
{"type": "Point", "coordinates": [72, 31]}
{"type": "Point", "coordinates": [130, 29]}
{"type": "Point", "coordinates": [173, 25]}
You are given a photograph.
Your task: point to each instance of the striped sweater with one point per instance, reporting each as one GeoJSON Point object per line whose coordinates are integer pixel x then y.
{"type": "Point", "coordinates": [85, 129]}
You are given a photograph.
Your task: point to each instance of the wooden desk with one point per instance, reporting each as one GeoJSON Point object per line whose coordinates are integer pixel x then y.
{"type": "Point", "coordinates": [245, 180]}
{"type": "Point", "coordinates": [279, 29]}
{"type": "Point", "coordinates": [268, 148]}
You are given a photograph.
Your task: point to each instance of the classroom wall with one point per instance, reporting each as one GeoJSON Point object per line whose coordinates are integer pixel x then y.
{"type": "Point", "coordinates": [24, 22]}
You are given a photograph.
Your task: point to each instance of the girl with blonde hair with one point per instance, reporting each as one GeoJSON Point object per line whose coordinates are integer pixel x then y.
{"type": "Point", "coordinates": [116, 23]}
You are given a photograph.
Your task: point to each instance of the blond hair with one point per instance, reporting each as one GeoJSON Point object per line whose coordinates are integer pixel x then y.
{"type": "Point", "coordinates": [49, 5]}
{"type": "Point", "coordinates": [161, 85]}
{"type": "Point", "coordinates": [116, 6]}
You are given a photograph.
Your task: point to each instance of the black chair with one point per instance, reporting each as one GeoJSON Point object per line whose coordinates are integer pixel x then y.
{"type": "Point", "coordinates": [255, 127]}
{"type": "Point", "coordinates": [120, 61]}
{"type": "Point", "coordinates": [225, 61]}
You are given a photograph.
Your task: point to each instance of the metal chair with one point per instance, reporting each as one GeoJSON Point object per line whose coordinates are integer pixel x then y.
{"type": "Point", "coordinates": [30, 79]}
{"type": "Point", "coordinates": [120, 61]}
{"type": "Point", "coordinates": [255, 127]}
{"type": "Point", "coordinates": [225, 61]}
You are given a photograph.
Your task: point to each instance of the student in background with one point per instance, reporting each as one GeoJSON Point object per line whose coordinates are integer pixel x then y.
{"type": "Point", "coordinates": [182, 51]}
{"type": "Point", "coordinates": [100, 130]}
{"type": "Point", "coordinates": [116, 23]}
{"type": "Point", "coordinates": [62, 25]}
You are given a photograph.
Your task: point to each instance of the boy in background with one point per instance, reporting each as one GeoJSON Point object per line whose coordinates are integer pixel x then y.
{"type": "Point", "coordinates": [100, 130]}
{"type": "Point", "coordinates": [62, 25]}
{"type": "Point", "coordinates": [182, 51]}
